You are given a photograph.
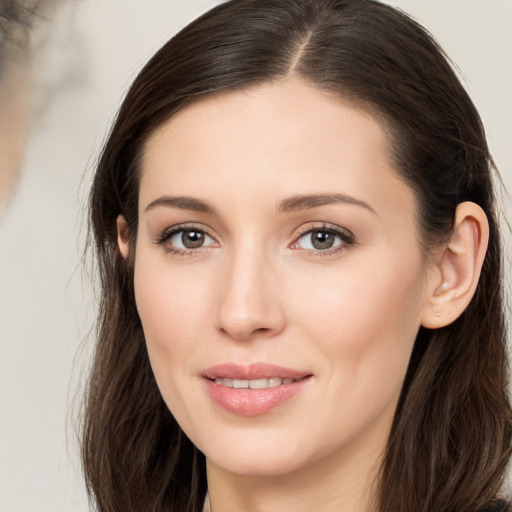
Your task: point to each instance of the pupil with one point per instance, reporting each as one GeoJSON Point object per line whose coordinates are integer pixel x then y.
{"type": "Point", "coordinates": [322, 240]}
{"type": "Point", "coordinates": [192, 239]}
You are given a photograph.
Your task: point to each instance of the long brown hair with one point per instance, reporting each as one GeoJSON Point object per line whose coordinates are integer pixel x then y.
{"type": "Point", "coordinates": [451, 436]}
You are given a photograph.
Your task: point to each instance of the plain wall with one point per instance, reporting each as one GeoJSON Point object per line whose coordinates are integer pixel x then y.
{"type": "Point", "coordinates": [92, 51]}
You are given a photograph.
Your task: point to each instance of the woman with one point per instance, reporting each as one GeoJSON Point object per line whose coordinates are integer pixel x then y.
{"type": "Point", "coordinates": [300, 266]}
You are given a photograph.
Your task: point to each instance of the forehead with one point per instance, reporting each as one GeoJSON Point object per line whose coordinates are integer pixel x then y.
{"type": "Point", "coordinates": [282, 138]}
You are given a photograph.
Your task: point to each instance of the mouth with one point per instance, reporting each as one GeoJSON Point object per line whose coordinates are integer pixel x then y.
{"type": "Point", "coordinates": [271, 382]}
{"type": "Point", "coordinates": [273, 374]}
{"type": "Point", "coordinates": [255, 389]}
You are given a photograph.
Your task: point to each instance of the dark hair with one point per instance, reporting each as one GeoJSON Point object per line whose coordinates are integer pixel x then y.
{"type": "Point", "coordinates": [451, 436]}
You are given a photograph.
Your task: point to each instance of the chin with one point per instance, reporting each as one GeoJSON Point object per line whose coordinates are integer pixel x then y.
{"type": "Point", "coordinates": [257, 466]}
{"type": "Point", "coordinates": [257, 458]}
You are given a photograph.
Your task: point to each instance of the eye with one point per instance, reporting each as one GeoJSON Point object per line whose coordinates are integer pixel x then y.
{"type": "Point", "coordinates": [190, 239]}
{"type": "Point", "coordinates": [183, 239]}
{"type": "Point", "coordinates": [323, 239]}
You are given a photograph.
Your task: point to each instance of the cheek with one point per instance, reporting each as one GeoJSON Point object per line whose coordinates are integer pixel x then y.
{"type": "Point", "coordinates": [364, 324]}
{"type": "Point", "coordinates": [152, 300]}
{"type": "Point", "coordinates": [169, 307]}
{"type": "Point", "coordinates": [171, 302]}
{"type": "Point", "coordinates": [365, 318]}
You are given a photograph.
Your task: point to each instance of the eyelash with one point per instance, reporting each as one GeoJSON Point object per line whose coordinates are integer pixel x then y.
{"type": "Point", "coordinates": [174, 230]}
{"type": "Point", "coordinates": [346, 239]}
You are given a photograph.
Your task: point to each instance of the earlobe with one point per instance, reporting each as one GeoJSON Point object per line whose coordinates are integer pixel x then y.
{"type": "Point", "coordinates": [123, 236]}
{"type": "Point", "coordinates": [454, 279]}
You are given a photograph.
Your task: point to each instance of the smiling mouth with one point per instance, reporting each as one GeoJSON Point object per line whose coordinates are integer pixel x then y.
{"type": "Point", "coordinates": [254, 389]}
{"type": "Point", "coordinates": [254, 397]}
{"type": "Point", "coordinates": [253, 376]}
{"type": "Point", "coordinates": [271, 382]}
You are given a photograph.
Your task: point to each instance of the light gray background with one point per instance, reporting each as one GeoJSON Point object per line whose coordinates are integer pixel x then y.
{"type": "Point", "coordinates": [89, 56]}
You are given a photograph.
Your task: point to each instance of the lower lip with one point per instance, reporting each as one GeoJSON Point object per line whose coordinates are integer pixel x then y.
{"type": "Point", "coordinates": [253, 402]}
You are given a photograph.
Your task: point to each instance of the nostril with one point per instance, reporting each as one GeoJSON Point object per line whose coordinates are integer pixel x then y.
{"type": "Point", "coordinates": [246, 334]}
{"type": "Point", "coordinates": [262, 330]}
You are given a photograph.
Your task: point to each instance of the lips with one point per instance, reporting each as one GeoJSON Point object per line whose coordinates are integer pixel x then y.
{"type": "Point", "coordinates": [252, 371]}
{"type": "Point", "coordinates": [255, 389]}
{"type": "Point", "coordinates": [271, 382]}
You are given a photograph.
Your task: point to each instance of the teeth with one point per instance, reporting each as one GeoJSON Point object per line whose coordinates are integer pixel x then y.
{"type": "Point", "coordinates": [272, 382]}
{"type": "Point", "coordinates": [258, 384]}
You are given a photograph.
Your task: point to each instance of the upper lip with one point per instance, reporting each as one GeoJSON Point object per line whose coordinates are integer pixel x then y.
{"type": "Point", "coordinates": [252, 371]}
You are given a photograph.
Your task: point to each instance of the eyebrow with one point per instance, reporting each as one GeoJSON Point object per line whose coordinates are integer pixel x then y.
{"type": "Point", "coordinates": [305, 202]}
{"type": "Point", "coordinates": [182, 203]}
{"type": "Point", "coordinates": [291, 204]}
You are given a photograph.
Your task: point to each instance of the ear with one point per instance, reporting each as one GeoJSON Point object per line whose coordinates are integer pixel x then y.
{"type": "Point", "coordinates": [453, 279]}
{"type": "Point", "coordinates": [123, 236]}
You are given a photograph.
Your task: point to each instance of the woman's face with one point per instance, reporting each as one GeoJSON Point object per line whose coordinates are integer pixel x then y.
{"type": "Point", "coordinates": [277, 249]}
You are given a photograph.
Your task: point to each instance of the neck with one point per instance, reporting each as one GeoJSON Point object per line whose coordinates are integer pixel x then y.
{"type": "Point", "coordinates": [339, 483]}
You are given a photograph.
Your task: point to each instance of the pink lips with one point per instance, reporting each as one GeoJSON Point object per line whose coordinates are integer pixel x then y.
{"type": "Point", "coordinates": [253, 402]}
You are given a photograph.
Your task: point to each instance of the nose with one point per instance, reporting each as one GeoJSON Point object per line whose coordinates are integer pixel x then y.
{"type": "Point", "coordinates": [250, 304]}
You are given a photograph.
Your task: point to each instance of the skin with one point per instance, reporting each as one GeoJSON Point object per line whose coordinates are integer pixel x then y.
{"type": "Point", "coordinates": [258, 291]}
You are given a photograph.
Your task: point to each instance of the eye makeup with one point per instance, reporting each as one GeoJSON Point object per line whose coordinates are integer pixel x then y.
{"type": "Point", "coordinates": [318, 239]}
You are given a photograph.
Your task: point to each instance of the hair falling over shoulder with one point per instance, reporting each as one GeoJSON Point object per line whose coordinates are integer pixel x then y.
{"type": "Point", "coordinates": [451, 437]}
